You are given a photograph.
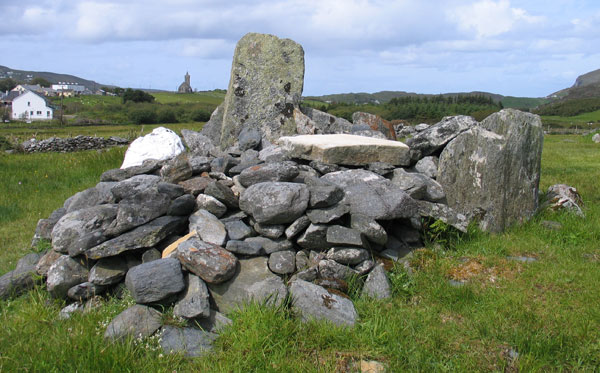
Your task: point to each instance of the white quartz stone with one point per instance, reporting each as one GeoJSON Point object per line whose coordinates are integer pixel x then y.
{"type": "Point", "coordinates": [160, 144]}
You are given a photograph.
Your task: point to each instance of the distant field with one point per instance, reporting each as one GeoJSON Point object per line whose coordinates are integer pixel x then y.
{"type": "Point", "coordinates": [20, 133]}
{"type": "Point", "coordinates": [580, 121]}
{"type": "Point", "coordinates": [523, 102]}
{"type": "Point", "coordinates": [208, 97]}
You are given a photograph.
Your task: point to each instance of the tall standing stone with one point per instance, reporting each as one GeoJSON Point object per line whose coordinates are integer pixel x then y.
{"type": "Point", "coordinates": [267, 77]}
{"type": "Point", "coordinates": [492, 172]}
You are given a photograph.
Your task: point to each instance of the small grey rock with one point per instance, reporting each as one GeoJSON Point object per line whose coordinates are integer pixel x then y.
{"type": "Point", "coordinates": [137, 322]}
{"type": "Point", "coordinates": [282, 262]}
{"type": "Point", "coordinates": [194, 302]}
{"type": "Point", "coordinates": [191, 342]}
{"type": "Point", "coordinates": [377, 284]}
{"type": "Point", "coordinates": [155, 281]}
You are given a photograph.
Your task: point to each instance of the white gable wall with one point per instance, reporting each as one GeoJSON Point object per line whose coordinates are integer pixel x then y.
{"type": "Point", "coordinates": [30, 106]}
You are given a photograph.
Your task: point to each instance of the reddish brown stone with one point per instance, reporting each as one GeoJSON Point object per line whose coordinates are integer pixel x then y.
{"type": "Point", "coordinates": [375, 122]}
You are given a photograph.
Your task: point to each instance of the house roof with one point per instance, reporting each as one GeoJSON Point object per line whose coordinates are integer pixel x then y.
{"type": "Point", "coordinates": [10, 96]}
{"type": "Point", "coordinates": [42, 97]}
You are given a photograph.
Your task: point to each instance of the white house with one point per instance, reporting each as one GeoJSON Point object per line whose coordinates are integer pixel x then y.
{"type": "Point", "coordinates": [30, 106]}
{"type": "Point", "coordinates": [65, 86]}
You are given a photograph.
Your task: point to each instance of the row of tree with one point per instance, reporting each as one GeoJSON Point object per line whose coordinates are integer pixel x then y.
{"type": "Point", "coordinates": [419, 108]}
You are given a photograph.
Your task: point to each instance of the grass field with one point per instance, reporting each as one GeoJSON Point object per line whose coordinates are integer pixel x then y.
{"type": "Point", "coordinates": [548, 311]}
{"type": "Point", "coordinates": [581, 120]}
{"type": "Point", "coordinates": [21, 132]}
{"type": "Point", "coordinates": [208, 97]}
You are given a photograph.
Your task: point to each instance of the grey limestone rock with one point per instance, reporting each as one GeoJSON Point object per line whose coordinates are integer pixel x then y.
{"type": "Point", "coordinates": [282, 262]}
{"type": "Point", "coordinates": [210, 262]}
{"type": "Point", "coordinates": [18, 281]}
{"type": "Point", "coordinates": [491, 173]}
{"type": "Point", "coordinates": [444, 213]}
{"type": "Point", "coordinates": [44, 227]}
{"type": "Point", "coordinates": [211, 204]}
{"type": "Point", "coordinates": [149, 166]}
{"type": "Point", "coordinates": [191, 342]}
{"type": "Point", "coordinates": [348, 255]}
{"type": "Point", "coordinates": [274, 171]}
{"type": "Point", "coordinates": [182, 206]}
{"type": "Point", "coordinates": [238, 230]}
{"type": "Point", "coordinates": [249, 248]}
{"type": "Point", "coordinates": [196, 185]}
{"type": "Point", "coordinates": [435, 137]}
{"type": "Point", "coordinates": [155, 281]}
{"type": "Point", "coordinates": [269, 230]}
{"type": "Point", "coordinates": [236, 291]}
{"type": "Point", "coordinates": [338, 235]}
{"type": "Point", "coordinates": [195, 302]}
{"type": "Point", "coordinates": [375, 123]}
{"type": "Point", "coordinates": [270, 246]}
{"type": "Point", "coordinates": [419, 186]}
{"type": "Point", "coordinates": [222, 193]}
{"type": "Point", "coordinates": [249, 138]}
{"type": "Point", "coordinates": [65, 273]}
{"type": "Point", "coordinates": [314, 238]}
{"type": "Point", "coordinates": [314, 302]}
{"type": "Point", "coordinates": [331, 269]}
{"type": "Point", "coordinates": [108, 271]}
{"type": "Point", "coordinates": [297, 226]}
{"type": "Point", "coordinates": [137, 322]}
{"type": "Point", "coordinates": [209, 227]}
{"type": "Point", "coordinates": [377, 284]}
{"type": "Point", "coordinates": [275, 202]}
{"type": "Point", "coordinates": [177, 169]}
{"type": "Point", "coordinates": [85, 290]}
{"type": "Point", "coordinates": [372, 230]}
{"type": "Point", "coordinates": [82, 229]}
{"type": "Point", "coordinates": [46, 262]}
{"type": "Point", "coordinates": [428, 166]}
{"type": "Point", "coordinates": [271, 291]}
{"type": "Point", "coordinates": [145, 236]}
{"type": "Point", "coordinates": [197, 143]}
{"type": "Point", "coordinates": [327, 214]}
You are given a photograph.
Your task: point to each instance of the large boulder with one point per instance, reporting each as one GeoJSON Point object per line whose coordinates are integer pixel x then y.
{"type": "Point", "coordinates": [432, 139]}
{"type": "Point", "coordinates": [492, 171]}
{"type": "Point", "coordinates": [314, 302]}
{"type": "Point", "coordinates": [346, 149]}
{"type": "Point", "coordinates": [252, 281]}
{"type": "Point", "coordinates": [275, 202]}
{"type": "Point", "coordinates": [160, 144]}
{"type": "Point", "coordinates": [267, 78]}
{"type": "Point", "coordinates": [375, 122]}
{"type": "Point", "coordinates": [372, 195]}
{"type": "Point", "coordinates": [155, 281]}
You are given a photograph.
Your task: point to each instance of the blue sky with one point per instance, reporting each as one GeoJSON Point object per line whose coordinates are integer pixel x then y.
{"type": "Point", "coordinates": [519, 48]}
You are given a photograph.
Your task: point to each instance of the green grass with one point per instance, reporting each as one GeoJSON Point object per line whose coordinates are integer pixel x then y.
{"type": "Point", "coordinates": [523, 102]}
{"type": "Point", "coordinates": [19, 132]}
{"type": "Point", "coordinates": [208, 97]}
{"type": "Point", "coordinates": [581, 120]}
{"type": "Point", "coordinates": [548, 311]}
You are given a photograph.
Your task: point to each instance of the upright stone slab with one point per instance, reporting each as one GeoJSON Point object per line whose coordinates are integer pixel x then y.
{"type": "Point", "coordinates": [267, 77]}
{"type": "Point", "coordinates": [492, 172]}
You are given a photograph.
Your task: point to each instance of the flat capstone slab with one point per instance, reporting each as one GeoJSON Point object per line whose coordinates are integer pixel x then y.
{"type": "Point", "coordinates": [346, 149]}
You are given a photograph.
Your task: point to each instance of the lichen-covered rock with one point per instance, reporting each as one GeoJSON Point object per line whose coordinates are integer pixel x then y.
{"type": "Point", "coordinates": [136, 322]}
{"type": "Point", "coordinates": [209, 227]}
{"type": "Point", "coordinates": [210, 262]}
{"type": "Point", "coordinates": [562, 196]}
{"type": "Point", "coordinates": [275, 202]}
{"type": "Point", "coordinates": [374, 122]}
{"type": "Point", "coordinates": [491, 172]}
{"type": "Point", "coordinates": [82, 229]}
{"type": "Point", "coordinates": [233, 293]}
{"type": "Point", "coordinates": [267, 78]}
{"type": "Point", "coordinates": [314, 302]}
{"type": "Point", "coordinates": [108, 271]}
{"type": "Point", "coordinates": [145, 236]}
{"type": "Point", "coordinates": [283, 262]}
{"type": "Point", "coordinates": [275, 171]}
{"type": "Point", "coordinates": [194, 302]}
{"type": "Point", "coordinates": [377, 284]}
{"type": "Point", "coordinates": [155, 281]}
{"type": "Point", "coordinates": [191, 342]}
{"type": "Point", "coordinates": [65, 273]}
{"type": "Point", "coordinates": [435, 137]}
{"type": "Point", "coordinates": [419, 186]}
{"type": "Point", "coordinates": [44, 227]}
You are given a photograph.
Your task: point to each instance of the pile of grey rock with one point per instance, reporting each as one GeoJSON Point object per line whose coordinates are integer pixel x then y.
{"type": "Point", "coordinates": [276, 204]}
{"type": "Point", "coordinates": [71, 144]}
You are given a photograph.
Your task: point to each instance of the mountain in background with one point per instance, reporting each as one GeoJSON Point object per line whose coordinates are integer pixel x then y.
{"type": "Point", "coordinates": [586, 86]}
{"type": "Point", "coordinates": [26, 76]}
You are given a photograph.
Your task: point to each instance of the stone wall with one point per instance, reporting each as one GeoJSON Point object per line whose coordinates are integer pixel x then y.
{"type": "Point", "coordinates": [71, 144]}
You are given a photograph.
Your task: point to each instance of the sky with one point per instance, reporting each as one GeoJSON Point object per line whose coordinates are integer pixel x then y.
{"type": "Point", "coordinates": [512, 47]}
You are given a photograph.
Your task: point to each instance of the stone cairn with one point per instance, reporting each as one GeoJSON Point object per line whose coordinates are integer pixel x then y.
{"type": "Point", "coordinates": [71, 144]}
{"type": "Point", "coordinates": [252, 212]}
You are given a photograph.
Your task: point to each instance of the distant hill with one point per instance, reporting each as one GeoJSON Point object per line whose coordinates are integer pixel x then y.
{"type": "Point", "coordinates": [585, 86]}
{"type": "Point", "coordinates": [26, 76]}
{"type": "Point", "coordinates": [385, 96]}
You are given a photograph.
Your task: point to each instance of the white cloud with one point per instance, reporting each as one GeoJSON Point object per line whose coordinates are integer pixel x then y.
{"type": "Point", "coordinates": [488, 18]}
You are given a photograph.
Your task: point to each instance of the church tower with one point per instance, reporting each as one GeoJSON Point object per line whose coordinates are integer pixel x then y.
{"type": "Point", "coordinates": [185, 87]}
